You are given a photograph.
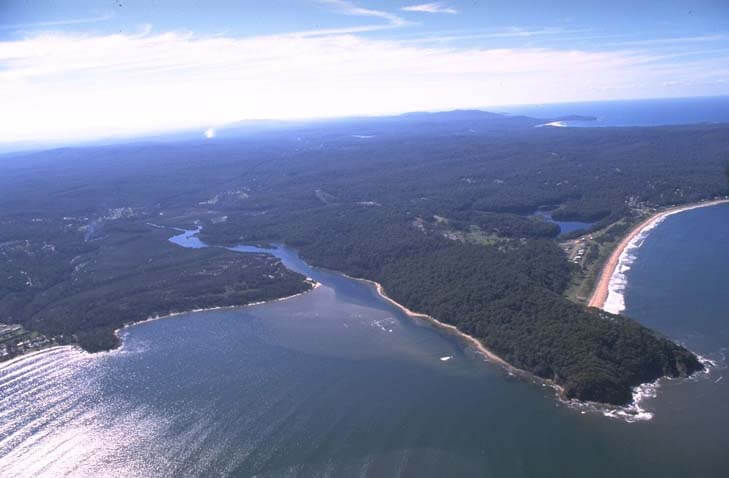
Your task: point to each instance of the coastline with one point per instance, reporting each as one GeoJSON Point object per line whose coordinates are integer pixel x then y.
{"type": "Point", "coordinates": [117, 332]}
{"type": "Point", "coordinates": [630, 413]}
{"type": "Point", "coordinates": [476, 343]}
{"type": "Point", "coordinates": [601, 292]}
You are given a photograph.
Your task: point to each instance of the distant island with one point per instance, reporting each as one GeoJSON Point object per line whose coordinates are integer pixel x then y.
{"type": "Point", "coordinates": [437, 208]}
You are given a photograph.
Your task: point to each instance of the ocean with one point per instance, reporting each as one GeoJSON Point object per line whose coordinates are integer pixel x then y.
{"type": "Point", "coordinates": [654, 112]}
{"type": "Point", "coordinates": [339, 382]}
{"type": "Point", "coordinates": [677, 284]}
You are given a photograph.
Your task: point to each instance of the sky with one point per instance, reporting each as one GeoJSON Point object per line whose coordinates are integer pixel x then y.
{"type": "Point", "coordinates": [84, 69]}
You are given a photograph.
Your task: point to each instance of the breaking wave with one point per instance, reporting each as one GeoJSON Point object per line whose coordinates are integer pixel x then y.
{"type": "Point", "coordinates": [615, 301]}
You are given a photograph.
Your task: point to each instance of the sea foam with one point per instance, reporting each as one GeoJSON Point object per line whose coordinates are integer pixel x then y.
{"type": "Point", "coordinates": [615, 301]}
{"type": "Point", "coordinates": [631, 413]}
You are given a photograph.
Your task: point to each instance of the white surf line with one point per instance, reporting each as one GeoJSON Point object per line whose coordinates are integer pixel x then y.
{"type": "Point", "coordinates": [608, 292]}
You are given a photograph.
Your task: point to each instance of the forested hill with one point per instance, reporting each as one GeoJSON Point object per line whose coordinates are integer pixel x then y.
{"type": "Point", "coordinates": [508, 296]}
{"type": "Point", "coordinates": [436, 207]}
{"type": "Point", "coordinates": [456, 122]}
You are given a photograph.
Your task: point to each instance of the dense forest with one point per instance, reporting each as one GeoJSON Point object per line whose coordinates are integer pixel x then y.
{"type": "Point", "coordinates": [509, 297]}
{"type": "Point", "coordinates": [436, 207]}
{"type": "Point", "coordinates": [81, 291]}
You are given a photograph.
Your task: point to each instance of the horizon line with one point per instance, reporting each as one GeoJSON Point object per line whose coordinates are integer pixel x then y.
{"type": "Point", "coordinates": [47, 145]}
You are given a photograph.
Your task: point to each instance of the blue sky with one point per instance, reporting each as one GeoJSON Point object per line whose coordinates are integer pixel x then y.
{"type": "Point", "coordinates": [84, 69]}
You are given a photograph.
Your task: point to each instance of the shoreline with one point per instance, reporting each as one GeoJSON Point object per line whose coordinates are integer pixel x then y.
{"type": "Point", "coordinates": [601, 292]}
{"type": "Point", "coordinates": [118, 331]}
{"type": "Point", "coordinates": [470, 339]}
{"type": "Point", "coordinates": [480, 347]}
{"type": "Point", "coordinates": [630, 413]}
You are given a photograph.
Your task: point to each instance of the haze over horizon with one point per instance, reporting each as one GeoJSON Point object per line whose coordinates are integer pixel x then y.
{"type": "Point", "coordinates": [372, 238]}
{"type": "Point", "coordinates": [86, 70]}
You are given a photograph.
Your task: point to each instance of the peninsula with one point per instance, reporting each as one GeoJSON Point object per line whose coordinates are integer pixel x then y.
{"type": "Point", "coordinates": [437, 208]}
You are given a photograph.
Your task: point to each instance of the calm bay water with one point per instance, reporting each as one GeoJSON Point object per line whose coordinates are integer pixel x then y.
{"type": "Point", "coordinates": [337, 382]}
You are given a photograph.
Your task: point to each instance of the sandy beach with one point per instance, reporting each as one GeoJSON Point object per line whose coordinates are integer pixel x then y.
{"type": "Point", "coordinates": [602, 288]}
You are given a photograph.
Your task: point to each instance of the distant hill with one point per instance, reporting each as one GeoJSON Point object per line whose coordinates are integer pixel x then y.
{"type": "Point", "coordinates": [467, 121]}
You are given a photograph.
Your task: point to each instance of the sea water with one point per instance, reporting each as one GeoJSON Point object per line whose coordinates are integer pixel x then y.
{"type": "Point", "coordinates": [652, 112]}
{"type": "Point", "coordinates": [338, 382]}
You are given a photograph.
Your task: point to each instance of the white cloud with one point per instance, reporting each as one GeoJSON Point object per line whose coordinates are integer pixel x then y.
{"type": "Point", "coordinates": [433, 7]}
{"type": "Point", "coordinates": [349, 8]}
{"type": "Point", "coordinates": [508, 33]}
{"type": "Point", "coordinates": [673, 40]}
{"type": "Point", "coordinates": [70, 86]}
{"type": "Point", "coordinates": [55, 23]}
